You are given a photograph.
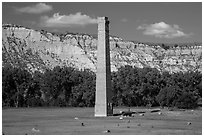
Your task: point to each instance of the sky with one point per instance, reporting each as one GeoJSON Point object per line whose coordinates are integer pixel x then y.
{"type": "Point", "coordinates": [158, 22]}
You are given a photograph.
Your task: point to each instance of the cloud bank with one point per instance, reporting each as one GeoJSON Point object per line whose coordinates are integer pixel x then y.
{"type": "Point", "coordinates": [35, 9]}
{"type": "Point", "coordinates": [162, 30]}
{"type": "Point", "coordinates": [70, 20]}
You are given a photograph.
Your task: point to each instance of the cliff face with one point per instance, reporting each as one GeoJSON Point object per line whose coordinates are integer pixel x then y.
{"type": "Point", "coordinates": [40, 50]}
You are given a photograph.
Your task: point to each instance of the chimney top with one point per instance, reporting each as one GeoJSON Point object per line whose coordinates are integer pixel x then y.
{"type": "Point", "coordinates": [102, 18]}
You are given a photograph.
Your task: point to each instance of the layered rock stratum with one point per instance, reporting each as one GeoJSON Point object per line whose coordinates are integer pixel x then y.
{"type": "Point", "coordinates": [40, 50]}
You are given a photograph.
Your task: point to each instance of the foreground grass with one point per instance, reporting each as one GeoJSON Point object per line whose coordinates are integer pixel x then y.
{"type": "Point", "coordinates": [59, 121]}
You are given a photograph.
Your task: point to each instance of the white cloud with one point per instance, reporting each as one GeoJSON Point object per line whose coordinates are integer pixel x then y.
{"type": "Point", "coordinates": [124, 20]}
{"type": "Point", "coordinates": [162, 30]}
{"type": "Point", "coordinates": [35, 9]}
{"type": "Point", "coordinates": [58, 20]}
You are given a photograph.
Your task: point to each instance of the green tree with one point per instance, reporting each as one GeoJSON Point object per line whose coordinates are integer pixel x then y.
{"type": "Point", "coordinates": [168, 96]}
{"type": "Point", "coordinates": [52, 87]}
{"type": "Point", "coordinates": [8, 86]}
{"type": "Point", "coordinates": [83, 94]}
{"type": "Point", "coordinates": [15, 84]}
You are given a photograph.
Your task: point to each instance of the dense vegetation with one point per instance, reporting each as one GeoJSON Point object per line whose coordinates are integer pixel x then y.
{"type": "Point", "coordinates": [149, 87]}
{"type": "Point", "coordinates": [66, 86]}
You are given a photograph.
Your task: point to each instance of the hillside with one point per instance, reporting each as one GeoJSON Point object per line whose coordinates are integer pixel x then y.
{"type": "Point", "coordinates": [41, 50]}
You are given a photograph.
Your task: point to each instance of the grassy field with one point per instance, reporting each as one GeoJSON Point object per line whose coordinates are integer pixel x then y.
{"type": "Point", "coordinates": [60, 121]}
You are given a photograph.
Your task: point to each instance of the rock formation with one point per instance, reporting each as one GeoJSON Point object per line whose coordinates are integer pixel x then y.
{"type": "Point", "coordinates": [41, 50]}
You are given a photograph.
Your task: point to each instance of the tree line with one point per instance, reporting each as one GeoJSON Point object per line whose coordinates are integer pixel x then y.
{"type": "Point", "coordinates": [149, 87]}
{"type": "Point", "coordinates": [67, 86]}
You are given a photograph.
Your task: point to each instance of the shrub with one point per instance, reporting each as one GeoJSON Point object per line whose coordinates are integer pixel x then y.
{"type": "Point", "coordinates": [186, 101]}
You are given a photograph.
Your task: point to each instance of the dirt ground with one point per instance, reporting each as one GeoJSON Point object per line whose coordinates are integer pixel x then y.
{"type": "Point", "coordinates": [81, 121]}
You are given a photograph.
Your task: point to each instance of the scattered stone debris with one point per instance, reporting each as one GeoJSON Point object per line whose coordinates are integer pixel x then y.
{"type": "Point", "coordinates": [117, 114]}
{"type": "Point", "coordinates": [128, 121]}
{"type": "Point", "coordinates": [138, 124]}
{"type": "Point", "coordinates": [160, 113]}
{"type": "Point", "coordinates": [3, 133]}
{"type": "Point", "coordinates": [106, 131]}
{"type": "Point", "coordinates": [142, 114]}
{"type": "Point", "coordinates": [128, 126]}
{"type": "Point", "coordinates": [128, 113]}
{"type": "Point", "coordinates": [121, 118]}
{"type": "Point", "coordinates": [156, 110]}
{"type": "Point", "coordinates": [118, 125]}
{"type": "Point", "coordinates": [152, 126]}
{"type": "Point", "coordinates": [82, 124]}
{"type": "Point", "coordinates": [139, 112]}
{"type": "Point", "coordinates": [35, 130]}
{"type": "Point", "coordinates": [189, 123]}
{"type": "Point", "coordinates": [76, 118]}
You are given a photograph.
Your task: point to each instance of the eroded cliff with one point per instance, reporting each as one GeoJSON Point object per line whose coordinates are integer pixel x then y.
{"type": "Point", "coordinates": [40, 50]}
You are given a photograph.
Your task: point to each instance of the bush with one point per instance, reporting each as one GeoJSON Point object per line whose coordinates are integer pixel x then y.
{"type": "Point", "coordinates": [186, 101]}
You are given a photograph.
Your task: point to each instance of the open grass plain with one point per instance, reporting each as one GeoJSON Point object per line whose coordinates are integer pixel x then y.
{"type": "Point", "coordinates": [81, 121]}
